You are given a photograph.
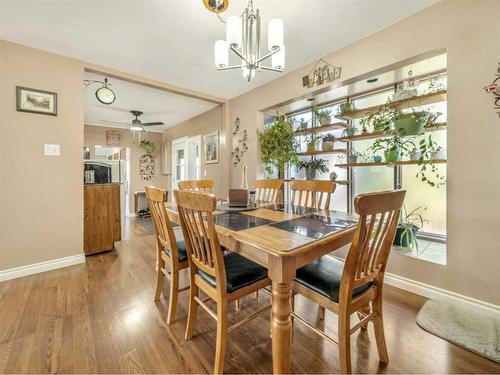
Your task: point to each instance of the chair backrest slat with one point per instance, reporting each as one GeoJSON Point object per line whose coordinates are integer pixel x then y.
{"type": "Point", "coordinates": [202, 244]}
{"type": "Point", "coordinates": [372, 242]}
{"type": "Point", "coordinates": [268, 190]}
{"type": "Point", "coordinates": [202, 186]}
{"type": "Point", "coordinates": [312, 193]}
{"type": "Point", "coordinates": [165, 237]}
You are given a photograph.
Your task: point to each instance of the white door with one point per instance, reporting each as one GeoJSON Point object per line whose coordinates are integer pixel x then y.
{"type": "Point", "coordinates": [193, 158]}
{"type": "Point", "coordinates": [179, 156]}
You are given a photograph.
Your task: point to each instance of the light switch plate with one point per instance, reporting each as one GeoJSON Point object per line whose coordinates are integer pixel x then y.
{"type": "Point", "coordinates": [52, 150]}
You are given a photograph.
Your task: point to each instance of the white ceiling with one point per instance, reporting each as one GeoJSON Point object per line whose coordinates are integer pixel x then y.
{"type": "Point", "coordinates": [157, 105]}
{"type": "Point", "coordinates": [172, 41]}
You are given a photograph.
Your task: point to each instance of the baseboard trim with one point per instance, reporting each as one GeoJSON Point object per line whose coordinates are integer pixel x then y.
{"type": "Point", "coordinates": [438, 294]}
{"type": "Point", "coordinates": [31, 269]}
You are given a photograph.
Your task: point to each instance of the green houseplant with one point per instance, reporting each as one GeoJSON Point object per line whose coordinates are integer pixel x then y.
{"type": "Point", "coordinates": [379, 120]}
{"type": "Point", "coordinates": [410, 224]}
{"type": "Point", "coordinates": [410, 123]}
{"type": "Point", "coordinates": [312, 167]}
{"type": "Point", "coordinates": [393, 146]}
{"type": "Point", "coordinates": [346, 107]}
{"type": "Point", "coordinates": [278, 145]}
{"type": "Point", "coordinates": [324, 116]}
{"type": "Point", "coordinates": [312, 142]}
{"type": "Point", "coordinates": [428, 172]}
{"type": "Point", "coordinates": [328, 142]}
{"type": "Point", "coordinates": [147, 146]}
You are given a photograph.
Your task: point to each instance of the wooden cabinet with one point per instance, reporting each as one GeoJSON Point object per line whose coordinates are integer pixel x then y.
{"type": "Point", "coordinates": [102, 226]}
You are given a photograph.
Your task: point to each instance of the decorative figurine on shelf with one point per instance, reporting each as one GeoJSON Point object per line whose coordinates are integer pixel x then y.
{"type": "Point", "coordinates": [244, 177]}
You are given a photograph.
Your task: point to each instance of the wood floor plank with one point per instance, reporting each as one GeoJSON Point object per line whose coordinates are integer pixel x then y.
{"type": "Point", "coordinates": [100, 317]}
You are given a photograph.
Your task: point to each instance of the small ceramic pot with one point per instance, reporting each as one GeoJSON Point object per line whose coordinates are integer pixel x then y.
{"type": "Point", "coordinates": [352, 159]}
{"type": "Point", "coordinates": [310, 173]}
{"type": "Point", "coordinates": [415, 155]}
{"type": "Point", "coordinates": [439, 154]}
{"type": "Point", "coordinates": [326, 120]}
{"type": "Point", "coordinates": [377, 159]}
{"type": "Point", "coordinates": [327, 145]}
{"type": "Point", "coordinates": [333, 176]}
{"type": "Point", "coordinates": [392, 155]}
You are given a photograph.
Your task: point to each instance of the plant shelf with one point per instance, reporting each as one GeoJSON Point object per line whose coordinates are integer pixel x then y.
{"type": "Point", "coordinates": [313, 153]}
{"type": "Point", "coordinates": [380, 133]}
{"type": "Point", "coordinates": [416, 101]}
{"type": "Point", "coordinates": [322, 128]}
{"type": "Point", "coordinates": [384, 164]}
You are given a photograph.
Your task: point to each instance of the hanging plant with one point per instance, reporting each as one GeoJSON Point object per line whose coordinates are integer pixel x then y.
{"type": "Point", "coordinates": [147, 146]}
{"type": "Point", "coordinates": [278, 145]}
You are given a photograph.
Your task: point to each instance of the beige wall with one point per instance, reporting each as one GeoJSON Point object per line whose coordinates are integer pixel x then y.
{"type": "Point", "coordinates": [41, 197]}
{"type": "Point", "coordinates": [201, 125]}
{"type": "Point", "coordinates": [96, 135]}
{"type": "Point", "coordinates": [467, 30]}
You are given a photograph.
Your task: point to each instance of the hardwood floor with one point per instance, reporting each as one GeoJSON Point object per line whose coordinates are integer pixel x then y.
{"type": "Point", "coordinates": [100, 317]}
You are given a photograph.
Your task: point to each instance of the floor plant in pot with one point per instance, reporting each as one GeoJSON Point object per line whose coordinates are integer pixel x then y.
{"type": "Point", "coordinates": [410, 224]}
{"type": "Point", "coordinates": [312, 167]}
{"type": "Point", "coordinates": [278, 145]}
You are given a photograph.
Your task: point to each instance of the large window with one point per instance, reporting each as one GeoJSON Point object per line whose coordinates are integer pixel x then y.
{"type": "Point", "coordinates": [428, 201]}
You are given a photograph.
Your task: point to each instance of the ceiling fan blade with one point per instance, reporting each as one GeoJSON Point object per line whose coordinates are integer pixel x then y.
{"type": "Point", "coordinates": [116, 122]}
{"type": "Point", "coordinates": [151, 123]}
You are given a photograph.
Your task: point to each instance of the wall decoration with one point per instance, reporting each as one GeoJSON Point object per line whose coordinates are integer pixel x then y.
{"type": "Point", "coordinates": [113, 138]}
{"type": "Point", "coordinates": [36, 101]}
{"type": "Point", "coordinates": [241, 147]}
{"type": "Point", "coordinates": [147, 167]}
{"type": "Point", "coordinates": [321, 74]}
{"type": "Point", "coordinates": [494, 88]}
{"type": "Point", "coordinates": [212, 147]}
{"type": "Point", "coordinates": [147, 146]}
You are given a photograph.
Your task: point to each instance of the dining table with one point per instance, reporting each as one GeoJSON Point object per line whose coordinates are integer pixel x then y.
{"type": "Point", "coordinates": [282, 238]}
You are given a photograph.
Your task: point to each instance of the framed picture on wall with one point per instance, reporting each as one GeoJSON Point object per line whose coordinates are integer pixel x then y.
{"type": "Point", "coordinates": [212, 147]}
{"type": "Point", "coordinates": [36, 101]}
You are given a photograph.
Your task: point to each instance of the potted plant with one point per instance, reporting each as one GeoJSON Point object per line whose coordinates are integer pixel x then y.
{"type": "Point", "coordinates": [327, 143]}
{"type": "Point", "coordinates": [312, 167]}
{"type": "Point", "coordinates": [438, 153]}
{"type": "Point", "coordinates": [302, 124]}
{"type": "Point", "coordinates": [346, 107]}
{"type": "Point", "coordinates": [349, 131]}
{"type": "Point", "coordinates": [312, 142]}
{"type": "Point", "coordinates": [352, 157]}
{"type": "Point", "coordinates": [415, 154]}
{"type": "Point", "coordinates": [322, 115]}
{"type": "Point", "coordinates": [380, 120]}
{"type": "Point", "coordinates": [377, 159]}
{"type": "Point", "coordinates": [278, 145]}
{"type": "Point", "coordinates": [147, 146]}
{"type": "Point", "coordinates": [410, 224]}
{"type": "Point", "coordinates": [394, 147]}
{"type": "Point", "coordinates": [410, 123]}
{"type": "Point", "coordinates": [333, 176]}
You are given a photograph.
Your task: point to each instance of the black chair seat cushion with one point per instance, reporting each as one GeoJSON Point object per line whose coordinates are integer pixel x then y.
{"type": "Point", "coordinates": [240, 272]}
{"type": "Point", "coordinates": [324, 276]}
{"type": "Point", "coordinates": [182, 251]}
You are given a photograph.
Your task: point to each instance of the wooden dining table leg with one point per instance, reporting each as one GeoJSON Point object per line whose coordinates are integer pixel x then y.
{"type": "Point", "coordinates": [282, 273]}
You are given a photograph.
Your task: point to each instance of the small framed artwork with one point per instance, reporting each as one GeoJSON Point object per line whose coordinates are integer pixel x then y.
{"type": "Point", "coordinates": [212, 147]}
{"type": "Point", "coordinates": [36, 101]}
{"type": "Point", "coordinates": [112, 138]}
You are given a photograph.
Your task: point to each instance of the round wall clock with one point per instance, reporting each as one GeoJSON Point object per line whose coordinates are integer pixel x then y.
{"type": "Point", "coordinates": [104, 94]}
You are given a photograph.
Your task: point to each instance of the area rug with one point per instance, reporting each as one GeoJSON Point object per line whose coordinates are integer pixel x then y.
{"type": "Point", "coordinates": [470, 329]}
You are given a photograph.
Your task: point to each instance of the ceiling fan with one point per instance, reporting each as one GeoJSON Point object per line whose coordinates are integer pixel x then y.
{"type": "Point", "coordinates": [138, 125]}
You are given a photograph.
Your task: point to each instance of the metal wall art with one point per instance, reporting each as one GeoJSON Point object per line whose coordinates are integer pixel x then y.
{"type": "Point", "coordinates": [494, 88]}
{"type": "Point", "coordinates": [241, 146]}
{"type": "Point", "coordinates": [147, 167]}
{"type": "Point", "coordinates": [321, 74]}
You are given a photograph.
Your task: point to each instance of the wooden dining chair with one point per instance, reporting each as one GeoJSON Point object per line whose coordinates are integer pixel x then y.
{"type": "Point", "coordinates": [224, 277]}
{"type": "Point", "coordinates": [351, 286]}
{"type": "Point", "coordinates": [310, 193]}
{"type": "Point", "coordinates": [268, 190]}
{"type": "Point", "coordinates": [203, 186]}
{"type": "Point", "coordinates": [171, 253]}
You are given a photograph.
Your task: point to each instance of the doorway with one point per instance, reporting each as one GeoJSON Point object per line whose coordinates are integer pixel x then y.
{"type": "Point", "coordinates": [186, 159]}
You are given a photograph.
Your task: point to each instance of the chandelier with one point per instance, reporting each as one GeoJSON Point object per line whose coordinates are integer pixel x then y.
{"type": "Point", "coordinates": [243, 38]}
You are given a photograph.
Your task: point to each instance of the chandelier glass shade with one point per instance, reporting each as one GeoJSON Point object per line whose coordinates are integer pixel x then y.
{"type": "Point", "coordinates": [243, 38]}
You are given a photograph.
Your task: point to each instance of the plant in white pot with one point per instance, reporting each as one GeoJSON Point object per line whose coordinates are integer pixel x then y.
{"type": "Point", "coordinates": [323, 116]}
{"type": "Point", "coordinates": [328, 142]}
